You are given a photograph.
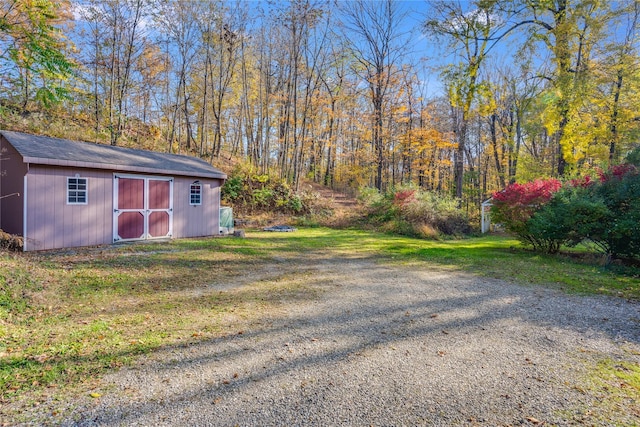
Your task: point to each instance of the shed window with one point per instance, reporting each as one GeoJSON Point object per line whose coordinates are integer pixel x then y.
{"type": "Point", "coordinates": [77, 191]}
{"type": "Point", "coordinates": [195, 194]}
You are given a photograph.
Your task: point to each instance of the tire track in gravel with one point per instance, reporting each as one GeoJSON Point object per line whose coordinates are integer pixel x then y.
{"type": "Point", "coordinates": [385, 344]}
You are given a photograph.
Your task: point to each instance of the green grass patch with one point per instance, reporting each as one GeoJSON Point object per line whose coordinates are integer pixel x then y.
{"type": "Point", "coordinates": [505, 258]}
{"type": "Point", "coordinates": [615, 385]}
{"type": "Point", "coordinates": [66, 318]}
{"type": "Point", "coordinates": [492, 256]}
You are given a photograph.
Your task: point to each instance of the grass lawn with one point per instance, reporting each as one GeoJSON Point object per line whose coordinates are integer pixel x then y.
{"type": "Point", "coordinates": [492, 256]}
{"type": "Point", "coordinates": [67, 317]}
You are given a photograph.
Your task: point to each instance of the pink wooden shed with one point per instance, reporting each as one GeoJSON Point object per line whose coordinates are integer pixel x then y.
{"type": "Point", "coordinates": [58, 193]}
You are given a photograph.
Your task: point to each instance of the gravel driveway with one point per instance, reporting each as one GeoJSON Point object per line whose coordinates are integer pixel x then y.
{"type": "Point", "coordinates": [384, 344]}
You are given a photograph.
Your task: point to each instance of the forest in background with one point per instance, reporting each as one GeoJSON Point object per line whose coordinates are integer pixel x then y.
{"type": "Point", "coordinates": [457, 98]}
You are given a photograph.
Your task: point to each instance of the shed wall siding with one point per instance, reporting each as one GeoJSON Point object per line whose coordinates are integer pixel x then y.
{"type": "Point", "coordinates": [196, 221]}
{"type": "Point", "coordinates": [12, 171]}
{"type": "Point", "coordinates": [52, 223]}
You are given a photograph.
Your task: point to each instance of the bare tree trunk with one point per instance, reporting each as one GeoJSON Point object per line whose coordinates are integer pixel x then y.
{"type": "Point", "coordinates": [494, 145]}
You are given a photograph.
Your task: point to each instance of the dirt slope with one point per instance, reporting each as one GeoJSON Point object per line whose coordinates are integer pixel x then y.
{"type": "Point", "coordinates": [344, 206]}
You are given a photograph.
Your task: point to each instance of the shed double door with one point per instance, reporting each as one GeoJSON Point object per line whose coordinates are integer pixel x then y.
{"type": "Point", "coordinates": [143, 207]}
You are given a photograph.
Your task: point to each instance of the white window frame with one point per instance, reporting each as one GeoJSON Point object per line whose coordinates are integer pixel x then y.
{"type": "Point", "coordinates": [197, 184]}
{"type": "Point", "coordinates": [77, 191]}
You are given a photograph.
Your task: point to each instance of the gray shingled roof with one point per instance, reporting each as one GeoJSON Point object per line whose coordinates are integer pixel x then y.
{"type": "Point", "coordinates": [63, 152]}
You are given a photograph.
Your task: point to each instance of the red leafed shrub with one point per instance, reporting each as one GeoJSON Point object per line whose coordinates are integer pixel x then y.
{"type": "Point", "coordinates": [583, 182]}
{"type": "Point", "coordinates": [518, 201]}
{"type": "Point", "coordinates": [402, 197]}
{"type": "Point", "coordinates": [619, 171]}
{"type": "Point", "coordinates": [615, 172]}
{"type": "Point", "coordinates": [604, 211]}
{"type": "Point", "coordinates": [514, 206]}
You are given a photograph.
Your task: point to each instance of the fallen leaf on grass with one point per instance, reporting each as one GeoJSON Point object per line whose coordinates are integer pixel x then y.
{"type": "Point", "coordinates": [95, 395]}
{"type": "Point", "coordinates": [41, 358]}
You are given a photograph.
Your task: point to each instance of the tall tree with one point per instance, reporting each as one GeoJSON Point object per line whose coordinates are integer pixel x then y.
{"type": "Point", "coordinates": [33, 51]}
{"type": "Point", "coordinates": [222, 29]}
{"type": "Point", "coordinates": [472, 31]}
{"type": "Point", "coordinates": [621, 76]}
{"type": "Point", "coordinates": [376, 43]}
{"type": "Point", "coordinates": [178, 20]}
{"type": "Point", "coordinates": [118, 42]}
{"type": "Point", "coordinates": [513, 89]}
{"type": "Point", "coordinates": [569, 29]}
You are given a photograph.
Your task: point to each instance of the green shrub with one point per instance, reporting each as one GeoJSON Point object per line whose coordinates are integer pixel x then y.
{"type": "Point", "coordinates": [605, 212]}
{"type": "Point", "coordinates": [620, 192]}
{"type": "Point", "coordinates": [378, 206]}
{"type": "Point", "coordinates": [369, 196]}
{"type": "Point", "coordinates": [295, 204]}
{"type": "Point", "coordinates": [249, 192]}
{"type": "Point", "coordinates": [232, 189]}
{"type": "Point", "coordinates": [633, 157]}
{"type": "Point", "coordinates": [572, 215]}
{"type": "Point", "coordinates": [262, 197]}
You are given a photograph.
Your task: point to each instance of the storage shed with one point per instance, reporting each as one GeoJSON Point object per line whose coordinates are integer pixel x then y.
{"type": "Point", "coordinates": [57, 193]}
